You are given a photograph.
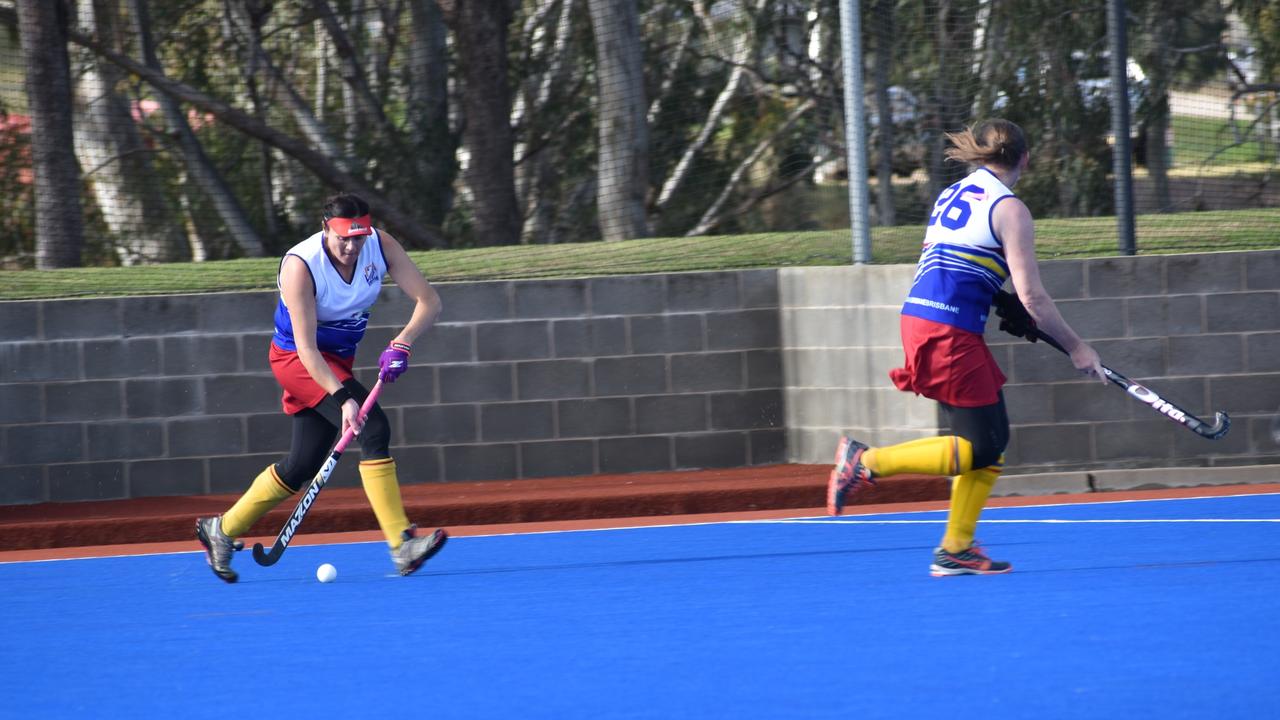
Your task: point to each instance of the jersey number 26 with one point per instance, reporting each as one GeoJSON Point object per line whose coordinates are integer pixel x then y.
{"type": "Point", "coordinates": [951, 209]}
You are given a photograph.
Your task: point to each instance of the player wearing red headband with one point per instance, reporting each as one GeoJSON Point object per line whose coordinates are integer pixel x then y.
{"type": "Point", "coordinates": [328, 283]}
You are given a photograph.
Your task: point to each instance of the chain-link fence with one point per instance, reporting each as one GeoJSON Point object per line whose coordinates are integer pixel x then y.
{"type": "Point", "coordinates": [142, 131]}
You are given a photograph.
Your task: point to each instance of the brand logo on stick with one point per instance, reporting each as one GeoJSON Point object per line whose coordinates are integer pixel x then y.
{"type": "Point", "coordinates": [1155, 401]}
{"type": "Point", "coordinates": [307, 499]}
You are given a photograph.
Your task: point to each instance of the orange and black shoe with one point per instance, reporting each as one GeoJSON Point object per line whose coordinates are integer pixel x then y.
{"type": "Point", "coordinates": [848, 474]}
{"type": "Point", "coordinates": [966, 562]}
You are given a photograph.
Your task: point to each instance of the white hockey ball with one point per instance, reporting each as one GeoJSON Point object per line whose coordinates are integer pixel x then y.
{"type": "Point", "coordinates": [326, 573]}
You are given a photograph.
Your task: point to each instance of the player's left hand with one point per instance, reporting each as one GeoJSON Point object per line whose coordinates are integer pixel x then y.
{"type": "Point", "coordinates": [1014, 318]}
{"type": "Point", "coordinates": [393, 362]}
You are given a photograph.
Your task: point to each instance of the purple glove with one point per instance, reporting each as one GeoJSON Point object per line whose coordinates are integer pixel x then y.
{"type": "Point", "coordinates": [393, 362]}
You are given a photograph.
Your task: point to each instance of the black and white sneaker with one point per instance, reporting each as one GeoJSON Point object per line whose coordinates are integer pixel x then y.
{"type": "Point", "coordinates": [218, 548]}
{"type": "Point", "coordinates": [417, 549]}
{"type": "Point", "coordinates": [966, 562]}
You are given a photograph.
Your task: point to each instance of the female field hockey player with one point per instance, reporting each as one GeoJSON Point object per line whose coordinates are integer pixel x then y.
{"type": "Point", "coordinates": [979, 234]}
{"type": "Point", "coordinates": [328, 283]}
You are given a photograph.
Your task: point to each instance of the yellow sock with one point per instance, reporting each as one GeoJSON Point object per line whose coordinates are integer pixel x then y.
{"type": "Point", "coordinates": [265, 493]}
{"type": "Point", "coordinates": [383, 491]}
{"type": "Point", "coordinates": [943, 455]}
{"type": "Point", "coordinates": [969, 493]}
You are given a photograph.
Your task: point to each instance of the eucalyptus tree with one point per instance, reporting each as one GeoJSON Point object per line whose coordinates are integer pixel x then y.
{"type": "Point", "coordinates": [622, 137]}
{"type": "Point", "coordinates": [1041, 70]}
{"type": "Point", "coordinates": [198, 166]}
{"type": "Point", "coordinates": [1262, 17]}
{"type": "Point", "coordinates": [551, 114]}
{"type": "Point", "coordinates": [1174, 41]}
{"type": "Point", "coordinates": [140, 216]}
{"type": "Point", "coordinates": [481, 29]}
{"type": "Point", "coordinates": [387, 171]}
{"type": "Point", "coordinates": [43, 26]}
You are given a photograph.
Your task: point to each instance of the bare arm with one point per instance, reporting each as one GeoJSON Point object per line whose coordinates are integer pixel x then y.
{"type": "Point", "coordinates": [1013, 225]}
{"type": "Point", "coordinates": [409, 278]}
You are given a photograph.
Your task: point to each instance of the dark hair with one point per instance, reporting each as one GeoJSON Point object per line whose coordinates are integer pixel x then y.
{"type": "Point", "coordinates": [990, 142]}
{"type": "Point", "coordinates": [345, 205]}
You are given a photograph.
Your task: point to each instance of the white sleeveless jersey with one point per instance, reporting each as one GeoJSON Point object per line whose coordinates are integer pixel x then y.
{"type": "Point", "coordinates": [963, 264]}
{"type": "Point", "coordinates": [342, 308]}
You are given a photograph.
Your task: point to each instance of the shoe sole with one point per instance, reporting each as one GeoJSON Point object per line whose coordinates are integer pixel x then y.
{"type": "Point", "coordinates": [939, 571]}
{"type": "Point", "coordinates": [413, 567]}
{"type": "Point", "coordinates": [230, 576]}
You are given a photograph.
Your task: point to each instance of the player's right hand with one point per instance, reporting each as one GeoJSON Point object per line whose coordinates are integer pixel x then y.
{"type": "Point", "coordinates": [351, 416]}
{"type": "Point", "coordinates": [1086, 360]}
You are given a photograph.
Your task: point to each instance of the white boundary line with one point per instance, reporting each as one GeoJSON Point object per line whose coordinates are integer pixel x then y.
{"type": "Point", "coordinates": [1047, 521]}
{"type": "Point", "coordinates": [816, 520]}
{"type": "Point", "coordinates": [452, 538]}
{"type": "Point", "coordinates": [992, 508]}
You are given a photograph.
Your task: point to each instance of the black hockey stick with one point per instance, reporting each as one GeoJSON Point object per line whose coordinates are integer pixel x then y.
{"type": "Point", "coordinates": [1221, 424]}
{"type": "Point", "coordinates": [317, 484]}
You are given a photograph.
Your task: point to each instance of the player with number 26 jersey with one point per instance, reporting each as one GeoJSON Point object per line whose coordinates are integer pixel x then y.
{"type": "Point", "coordinates": [963, 264]}
{"type": "Point", "coordinates": [979, 236]}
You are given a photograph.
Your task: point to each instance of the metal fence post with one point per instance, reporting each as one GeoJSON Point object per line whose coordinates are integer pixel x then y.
{"type": "Point", "coordinates": [855, 130]}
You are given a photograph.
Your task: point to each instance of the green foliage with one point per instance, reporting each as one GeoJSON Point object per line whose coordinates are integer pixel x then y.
{"type": "Point", "coordinates": [17, 212]}
{"type": "Point", "coordinates": [959, 61]}
{"type": "Point", "coordinates": [1262, 17]}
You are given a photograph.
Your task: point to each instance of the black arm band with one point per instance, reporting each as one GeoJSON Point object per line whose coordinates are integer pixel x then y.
{"type": "Point", "coordinates": [341, 395]}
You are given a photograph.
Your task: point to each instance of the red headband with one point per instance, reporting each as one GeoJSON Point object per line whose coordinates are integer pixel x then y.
{"type": "Point", "coordinates": [351, 227]}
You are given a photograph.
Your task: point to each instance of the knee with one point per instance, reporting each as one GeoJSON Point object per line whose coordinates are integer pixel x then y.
{"type": "Point", "coordinates": [989, 445]}
{"type": "Point", "coordinates": [989, 452]}
{"type": "Point", "coordinates": [295, 474]}
{"type": "Point", "coordinates": [375, 438]}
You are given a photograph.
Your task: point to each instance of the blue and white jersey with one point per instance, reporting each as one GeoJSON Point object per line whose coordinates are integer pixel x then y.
{"type": "Point", "coordinates": [962, 265]}
{"type": "Point", "coordinates": [342, 308]}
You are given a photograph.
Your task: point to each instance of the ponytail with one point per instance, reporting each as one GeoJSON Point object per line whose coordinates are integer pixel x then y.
{"type": "Point", "coordinates": [990, 142]}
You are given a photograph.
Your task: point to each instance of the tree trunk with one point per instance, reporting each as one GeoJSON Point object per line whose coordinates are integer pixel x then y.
{"type": "Point", "coordinates": [434, 142]}
{"type": "Point", "coordinates": [1160, 35]}
{"type": "Point", "coordinates": [993, 20]}
{"type": "Point", "coordinates": [884, 111]}
{"type": "Point", "coordinates": [715, 214]}
{"type": "Point", "coordinates": [537, 172]}
{"type": "Point", "coordinates": [742, 55]}
{"type": "Point", "coordinates": [398, 221]}
{"type": "Point", "coordinates": [43, 29]}
{"type": "Point", "coordinates": [953, 33]}
{"type": "Point", "coordinates": [115, 161]}
{"type": "Point", "coordinates": [358, 101]}
{"type": "Point", "coordinates": [709, 125]}
{"type": "Point", "coordinates": [480, 28]}
{"type": "Point", "coordinates": [623, 143]}
{"type": "Point", "coordinates": [363, 106]}
{"type": "Point", "coordinates": [255, 14]}
{"type": "Point", "coordinates": [198, 165]}
{"type": "Point", "coordinates": [673, 64]}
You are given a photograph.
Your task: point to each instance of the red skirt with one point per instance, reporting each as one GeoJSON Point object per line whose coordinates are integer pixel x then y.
{"type": "Point", "coordinates": [301, 391]}
{"type": "Point", "coordinates": [947, 364]}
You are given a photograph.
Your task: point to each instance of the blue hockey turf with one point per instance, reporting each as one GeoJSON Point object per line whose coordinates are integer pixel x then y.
{"type": "Point", "coordinates": [1162, 609]}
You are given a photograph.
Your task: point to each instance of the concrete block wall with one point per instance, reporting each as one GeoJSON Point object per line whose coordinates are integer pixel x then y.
{"type": "Point", "coordinates": [129, 397]}
{"type": "Point", "coordinates": [1203, 330]}
{"type": "Point", "coordinates": [840, 339]}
